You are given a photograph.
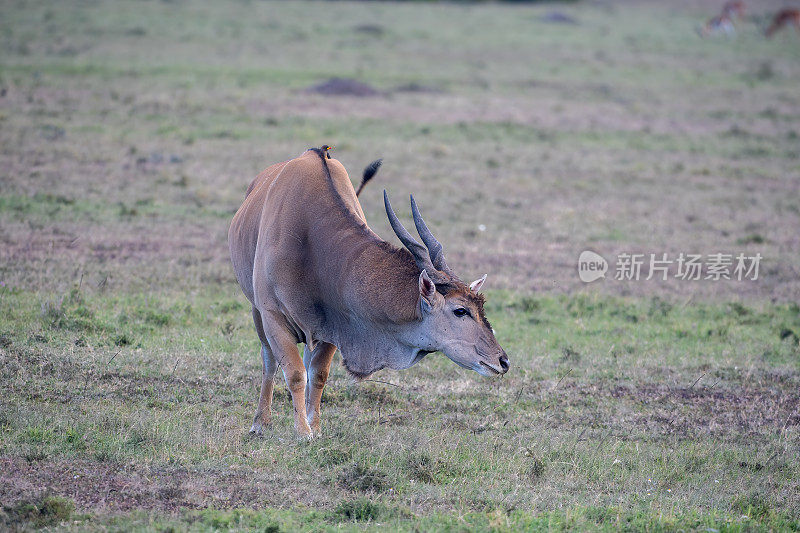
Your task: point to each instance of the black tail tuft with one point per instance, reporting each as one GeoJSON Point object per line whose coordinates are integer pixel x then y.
{"type": "Point", "coordinates": [369, 173]}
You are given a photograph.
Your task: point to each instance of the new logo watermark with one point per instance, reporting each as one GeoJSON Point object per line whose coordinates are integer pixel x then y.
{"type": "Point", "coordinates": [683, 266]}
{"type": "Point", "coordinates": [591, 266]}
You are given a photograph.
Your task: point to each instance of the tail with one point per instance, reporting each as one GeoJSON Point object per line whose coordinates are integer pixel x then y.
{"type": "Point", "coordinates": [369, 173]}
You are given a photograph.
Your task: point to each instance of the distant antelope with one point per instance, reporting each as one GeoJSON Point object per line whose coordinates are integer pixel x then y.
{"type": "Point", "coordinates": [725, 21]}
{"type": "Point", "coordinates": [718, 24]}
{"type": "Point", "coordinates": [734, 10]}
{"type": "Point", "coordinates": [782, 18]}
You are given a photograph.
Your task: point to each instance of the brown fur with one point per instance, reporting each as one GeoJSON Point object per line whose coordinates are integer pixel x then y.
{"type": "Point", "coordinates": [784, 17]}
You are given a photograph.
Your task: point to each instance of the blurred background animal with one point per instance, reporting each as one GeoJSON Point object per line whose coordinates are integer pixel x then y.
{"type": "Point", "coordinates": [725, 22]}
{"type": "Point", "coordinates": [784, 17]}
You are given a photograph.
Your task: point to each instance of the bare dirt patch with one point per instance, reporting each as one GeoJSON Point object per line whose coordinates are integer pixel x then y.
{"type": "Point", "coordinates": [101, 486]}
{"type": "Point", "coordinates": [686, 412]}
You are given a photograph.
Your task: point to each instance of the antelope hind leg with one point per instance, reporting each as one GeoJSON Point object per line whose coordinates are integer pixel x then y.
{"type": "Point", "coordinates": [263, 416]}
{"type": "Point", "coordinates": [284, 347]}
{"type": "Point", "coordinates": [318, 364]}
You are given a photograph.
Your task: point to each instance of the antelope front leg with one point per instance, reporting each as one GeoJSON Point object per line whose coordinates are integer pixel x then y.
{"type": "Point", "coordinates": [318, 365]}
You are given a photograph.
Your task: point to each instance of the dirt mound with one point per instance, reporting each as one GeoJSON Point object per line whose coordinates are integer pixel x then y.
{"type": "Point", "coordinates": [370, 29]}
{"type": "Point", "coordinates": [343, 87]}
{"type": "Point", "coordinates": [415, 87]}
{"type": "Point", "coordinates": [557, 17]}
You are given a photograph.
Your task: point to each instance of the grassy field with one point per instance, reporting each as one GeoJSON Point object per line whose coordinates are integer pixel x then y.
{"type": "Point", "coordinates": [129, 367]}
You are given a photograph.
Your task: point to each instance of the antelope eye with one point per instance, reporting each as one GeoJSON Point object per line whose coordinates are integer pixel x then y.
{"type": "Point", "coordinates": [460, 311]}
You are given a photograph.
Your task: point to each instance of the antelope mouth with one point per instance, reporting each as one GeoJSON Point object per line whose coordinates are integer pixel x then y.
{"type": "Point", "coordinates": [493, 369]}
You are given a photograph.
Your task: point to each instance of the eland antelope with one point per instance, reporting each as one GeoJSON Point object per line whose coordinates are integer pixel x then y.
{"type": "Point", "coordinates": [315, 273]}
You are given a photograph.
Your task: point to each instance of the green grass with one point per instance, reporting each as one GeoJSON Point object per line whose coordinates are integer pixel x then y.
{"type": "Point", "coordinates": [130, 370]}
{"type": "Point", "coordinates": [642, 413]}
{"type": "Point", "coordinates": [363, 515]}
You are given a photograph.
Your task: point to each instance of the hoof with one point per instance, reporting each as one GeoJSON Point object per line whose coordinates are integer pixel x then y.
{"type": "Point", "coordinates": [305, 434]}
{"type": "Point", "coordinates": [257, 429]}
{"type": "Point", "coordinates": [314, 424]}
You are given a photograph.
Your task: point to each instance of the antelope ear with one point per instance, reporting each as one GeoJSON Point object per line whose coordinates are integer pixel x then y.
{"type": "Point", "coordinates": [476, 285]}
{"type": "Point", "coordinates": [427, 289]}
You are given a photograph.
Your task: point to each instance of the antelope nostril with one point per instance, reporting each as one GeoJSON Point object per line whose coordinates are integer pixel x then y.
{"type": "Point", "coordinates": [504, 363]}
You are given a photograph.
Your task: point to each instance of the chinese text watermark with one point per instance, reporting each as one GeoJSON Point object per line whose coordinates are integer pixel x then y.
{"type": "Point", "coordinates": [663, 266]}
